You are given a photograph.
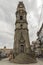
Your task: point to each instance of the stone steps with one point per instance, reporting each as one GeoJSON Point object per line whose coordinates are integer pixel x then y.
{"type": "Point", "coordinates": [24, 58]}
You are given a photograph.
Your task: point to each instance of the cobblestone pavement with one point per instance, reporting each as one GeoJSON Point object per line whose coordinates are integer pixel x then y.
{"type": "Point", "coordinates": [6, 62]}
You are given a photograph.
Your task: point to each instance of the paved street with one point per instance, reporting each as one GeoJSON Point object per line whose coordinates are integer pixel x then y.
{"type": "Point", "coordinates": [6, 62]}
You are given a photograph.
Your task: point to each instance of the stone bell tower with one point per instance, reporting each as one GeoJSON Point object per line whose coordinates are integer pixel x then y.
{"type": "Point", "coordinates": [21, 38]}
{"type": "Point", "coordinates": [22, 49]}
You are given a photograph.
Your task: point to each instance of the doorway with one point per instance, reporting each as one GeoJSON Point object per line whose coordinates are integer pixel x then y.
{"type": "Point", "coordinates": [22, 48]}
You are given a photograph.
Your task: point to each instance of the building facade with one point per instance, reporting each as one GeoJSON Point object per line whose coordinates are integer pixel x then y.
{"type": "Point", "coordinates": [40, 35]}
{"type": "Point", "coordinates": [40, 38]}
{"type": "Point", "coordinates": [37, 45]}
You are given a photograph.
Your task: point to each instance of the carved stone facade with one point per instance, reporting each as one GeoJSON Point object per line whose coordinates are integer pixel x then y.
{"type": "Point", "coordinates": [22, 49]}
{"type": "Point", "coordinates": [21, 37]}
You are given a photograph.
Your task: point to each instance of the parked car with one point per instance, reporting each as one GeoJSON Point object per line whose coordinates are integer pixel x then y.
{"type": "Point", "coordinates": [3, 55]}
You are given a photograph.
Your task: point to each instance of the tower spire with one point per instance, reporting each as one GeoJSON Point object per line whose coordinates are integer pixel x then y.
{"type": "Point", "coordinates": [21, 13]}
{"type": "Point", "coordinates": [21, 6]}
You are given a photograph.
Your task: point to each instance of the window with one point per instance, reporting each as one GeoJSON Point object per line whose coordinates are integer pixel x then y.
{"type": "Point", "coordinates": [21, 25]}
{"type": "Point", "coordinates": [21, 17]}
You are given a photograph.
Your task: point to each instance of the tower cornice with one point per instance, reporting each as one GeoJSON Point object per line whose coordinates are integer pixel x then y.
{"type": "Point", "coordinates": [19, 11]}
{"type": "Point", "coordinates": [21, 29]}
{"type": "Point", "coordinates": [20, 22]}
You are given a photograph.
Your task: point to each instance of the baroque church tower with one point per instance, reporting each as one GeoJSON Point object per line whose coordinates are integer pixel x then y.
{"type": "Point", "coordinates": [22, 50]}
{"type": "Point", "coordinates": [21, 38]}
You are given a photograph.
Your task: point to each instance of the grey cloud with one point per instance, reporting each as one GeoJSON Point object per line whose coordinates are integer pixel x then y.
{"type": "Point", "coordinates": [7, 14]}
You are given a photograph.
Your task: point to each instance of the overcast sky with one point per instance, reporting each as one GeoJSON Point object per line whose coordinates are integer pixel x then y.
{"type": "Point", "coordinates": [7, 20]}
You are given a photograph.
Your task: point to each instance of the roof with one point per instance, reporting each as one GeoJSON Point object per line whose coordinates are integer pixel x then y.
{"type": "Point", "coordinates": [40, 30]}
